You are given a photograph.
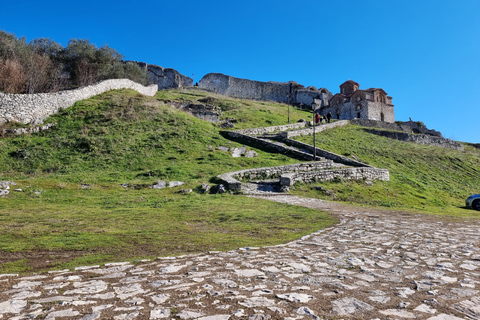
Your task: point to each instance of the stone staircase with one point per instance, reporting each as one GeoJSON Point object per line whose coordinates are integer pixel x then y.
{"type": "Point", "coordinates": [275, 180]}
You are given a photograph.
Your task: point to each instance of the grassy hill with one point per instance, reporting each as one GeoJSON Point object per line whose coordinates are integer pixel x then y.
{"type": "Point", "coordinates": [85, 185]}
{"type": "Point", "coordinates": [86, 199]}
{"type": "Point", "coordinates": [422, 178]}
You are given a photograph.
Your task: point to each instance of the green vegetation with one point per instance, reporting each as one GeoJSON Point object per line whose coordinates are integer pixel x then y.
{"type": "Point", "coordinates": [43, 65]}
{"type": "Point", "coordinates": [423, 178]}
{"type": "Point", "coordinates": [85, 183]}
{"type": "Point", "coordinates": [121, 137]}
{"type": "Point", "coordinates": [247, 113]}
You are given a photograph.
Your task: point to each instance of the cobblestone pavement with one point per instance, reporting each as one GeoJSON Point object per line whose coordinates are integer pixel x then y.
{"type": "Point", "coordinates": [372, 265]}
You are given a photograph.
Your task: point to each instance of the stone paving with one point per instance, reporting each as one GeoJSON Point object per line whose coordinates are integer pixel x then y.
{"type": "Point", "coordinates": [372, 265]}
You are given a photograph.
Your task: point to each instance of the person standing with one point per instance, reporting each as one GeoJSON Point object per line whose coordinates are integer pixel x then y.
{"type": "Point", "coordinates": [329, 117]}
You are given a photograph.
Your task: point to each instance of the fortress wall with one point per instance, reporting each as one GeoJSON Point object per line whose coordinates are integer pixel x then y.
{"type": "Point", "coordinates": [166, 78]}
{"type": "Point", "coordinates": [244, 88]}
{"type": "Point", "coordinates": [34, 108]}
{"type": "Point", "coordinates": [306, 96]}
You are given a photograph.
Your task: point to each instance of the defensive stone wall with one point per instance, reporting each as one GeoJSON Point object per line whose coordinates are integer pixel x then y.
{"type": "Point", "coordinates": [34, 108]}
{"type": "Point", "coordinates": [246, 89]}
{"type": "Point", "coordinates": [167, 78]}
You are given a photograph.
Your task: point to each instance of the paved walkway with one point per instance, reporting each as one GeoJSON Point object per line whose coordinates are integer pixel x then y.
{"type": "Point", "coordinates": [370, 266]}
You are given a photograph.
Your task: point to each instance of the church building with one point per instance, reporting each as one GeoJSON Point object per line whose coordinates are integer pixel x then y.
{"type": "Point", "coordinates": [354, 103]}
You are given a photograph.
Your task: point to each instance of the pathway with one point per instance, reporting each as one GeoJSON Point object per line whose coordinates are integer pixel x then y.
{"type": "Point", "coordinates": [372, 265]}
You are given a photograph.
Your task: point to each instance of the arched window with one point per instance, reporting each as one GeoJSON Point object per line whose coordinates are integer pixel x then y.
{"type": "Point", "coordinates": [382, 117]}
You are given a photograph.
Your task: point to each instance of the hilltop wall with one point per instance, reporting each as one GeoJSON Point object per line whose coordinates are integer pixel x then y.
{"type": "Point", "coordinates": [34, 108]}
{"type": "Point", "coordinates": [246, 89]}
{"type": "Point", "coordinates": [284, 92]}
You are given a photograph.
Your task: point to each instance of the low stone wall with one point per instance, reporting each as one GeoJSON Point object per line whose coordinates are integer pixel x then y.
{"type": "Point", "coordinates": [232, 179]}
{"type": "Point", "coordinates": [34, 108]}
{"type": "Point", "coordinates": [326, 154]}
{"type": "Point", "coordinates": [202, 111]}
{"type": "Point", "coordinates": [318, 128]}
{"type": "Point", "coordinates": [408, 126]}
{"type": "Point", "coordinates": [20, 131]}
{"type": "Point", "coordinates": [265, 130]}
{"type": "Point", "coordinates": [365, 173]}
{"type": "Point", "coordinates": [266, 145]}
{"type": "Point", "coordinates": [419, 138]}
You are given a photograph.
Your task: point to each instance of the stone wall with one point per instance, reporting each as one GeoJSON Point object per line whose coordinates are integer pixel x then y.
{"type": "Point", "coordinates": [202, 111]}
{"type": "Point", "coordinates": [273, 172]}
{"type": "Point", "coordinates": [284, 92]}
{"type": "Point", "coordinates": [267, 145]}
{"type": "Point", "coordinates": [408, 126]}
{"type": "Point", "coordinates": [419, 138]}
{"type": "Point", "coordinates": [167, 78]}
{"type": "Point", "coordinates": [246, 89]}
{"type": "Point", "coordinates": [288, 175]}
{"type": "Point", "coordinates": [318, 128]}
{"type": "Point", "coordinates": [271, 129]}
{"type": "Point", "coordinates": [364, 173]}
{"type": "Point", "coordinates": [325, 154]}
{"type": "Point", "coordinates": [34, 108]}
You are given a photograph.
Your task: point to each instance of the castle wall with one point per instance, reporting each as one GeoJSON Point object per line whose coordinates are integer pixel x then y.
{"type": "Point", "coordinates": [167, 78]}
{"type": "Point", "coordinates": [34, 108]}
{"type": "Point", "coordinates": [244, 88]}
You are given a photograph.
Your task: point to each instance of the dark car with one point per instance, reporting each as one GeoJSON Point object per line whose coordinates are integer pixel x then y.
{"type": "Point", "coordinates": [473, 202]}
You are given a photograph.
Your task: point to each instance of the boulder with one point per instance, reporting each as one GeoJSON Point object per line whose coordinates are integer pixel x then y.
{"type": "Point", "coordinates": [159, 185]}
{"type": "Point", "coordinates": [220, 188]}
{"type": "Point", "coordinates": [238, 152]}
{"type": "Point", "coordinates": [205, 188]}
{"type": "Point", "coordinates": [175, 184]}
{"type": "Point", "coordinates": [251, 154]}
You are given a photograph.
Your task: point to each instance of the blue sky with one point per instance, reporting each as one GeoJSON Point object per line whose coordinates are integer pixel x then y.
{"type": "Point", "coordinates": [423, 53]}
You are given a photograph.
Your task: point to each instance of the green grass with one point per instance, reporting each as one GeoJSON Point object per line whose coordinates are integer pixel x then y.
{"type": "Point", "coordinates": [122, 137]}
{"type": "Point", "coordinates": [111, 223]}
{"type": "Point", "coordinates": [247, 113]}
{"type": "Point", "coordinates": [423, 178]}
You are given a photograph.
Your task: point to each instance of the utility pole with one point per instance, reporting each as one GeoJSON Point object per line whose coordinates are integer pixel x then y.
{"type": "Point", "coordinates": [314, 105]}
{"type": "Point", "coordinates": [288, 103]}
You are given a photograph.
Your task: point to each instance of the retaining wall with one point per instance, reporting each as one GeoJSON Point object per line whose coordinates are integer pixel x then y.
{"type": "Point", "coordinates": [326, 154]}
{"type": "Point", "coordinates": [419, 138]}
{"type": "Point", "coordinates": [267, 145]}
{"type": "Point", "coordinates": [232, 179]}
{"type": "Point", "coordinates": [271, 129]}
{"type": "Point", "coordinates": [309, 130]}
{"type": "Point", "coordinates": [364, 173]}
{"type": "Point", "coordinates": [34, 108]}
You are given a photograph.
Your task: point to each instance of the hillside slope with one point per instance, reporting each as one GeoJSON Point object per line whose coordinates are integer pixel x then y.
{"type": "Point", "coordinates": [84, 193]}
{"type": "Point", "coordinates": [423, 177]}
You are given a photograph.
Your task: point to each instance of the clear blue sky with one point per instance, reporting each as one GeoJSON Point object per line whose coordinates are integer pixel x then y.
{"type": "Point", "coordinates": [423, 53]}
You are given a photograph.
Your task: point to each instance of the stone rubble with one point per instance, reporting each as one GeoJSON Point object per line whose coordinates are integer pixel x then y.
{"type": "Point", "coordinates": [372, 265]}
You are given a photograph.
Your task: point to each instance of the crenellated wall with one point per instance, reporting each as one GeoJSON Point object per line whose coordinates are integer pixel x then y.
{"type": "Point", "coordinates": [34, 108]}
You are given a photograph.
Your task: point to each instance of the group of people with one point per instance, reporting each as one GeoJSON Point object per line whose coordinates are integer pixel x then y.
{"type": "Point", "coordinates": [319, 118]}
